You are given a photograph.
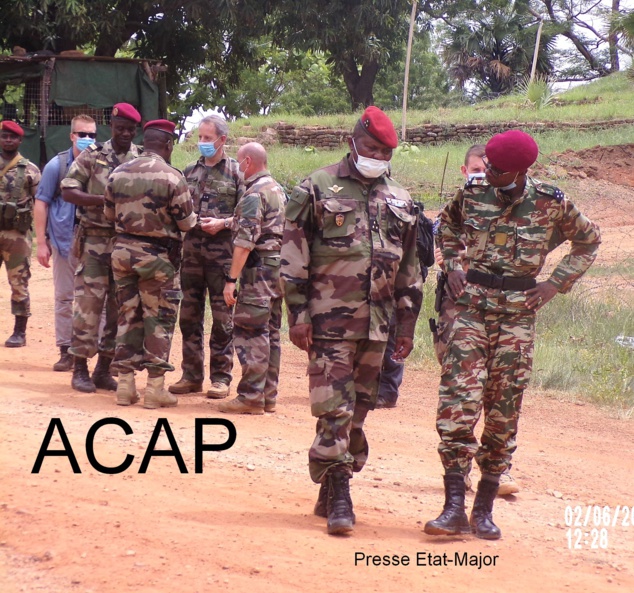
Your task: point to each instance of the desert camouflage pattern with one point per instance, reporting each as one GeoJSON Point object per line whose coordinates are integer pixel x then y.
{"type": "Point", "coordinates": [89, 172]}
{"type": "Point", "coordinates": [343, 379]}
{"type": "Point", "coordinates": [513, 239]}
{"type": "Point", "coordinates": [487, 366]}
{"type": "Point", "coordinates": [94, 281]}
{"type": "Point", "coordinates": [258, 225]}
{"type": "Point", "coordinates": [148, 197]}
{"type": "Point", "coordinates": [348, 260]}
{"type": "Point", "coordinates": [489, 352]}
{"type": "Point", "coordinates": [349, 256]}
{"type": "Point", "coordinates": [15, 246]}
{"type": "Point", "coordinates": [206, 259]}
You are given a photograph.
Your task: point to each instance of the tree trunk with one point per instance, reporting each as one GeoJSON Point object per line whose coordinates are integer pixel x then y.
{"type": "Point", "coordinates": [613, 39]}
{"type": "Point", "coordinates": [360, 86]}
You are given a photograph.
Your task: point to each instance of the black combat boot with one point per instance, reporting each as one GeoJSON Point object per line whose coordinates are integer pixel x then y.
{"type": "Point", "coordinates": [66, 360]}
{"type": "Point", "coordinates": [481, 516]}
{"type": "Point", "coordinates": [18, 338]}
{"type": "Point", "coordinates": [81, 380]}
{"type": "Point", "coordinates": [453, 519]}
{"type": "Point", "coordinates": [340, 516]}
{"type": "Point", "coordinates": [101, 376]}
{"type": "Point", "coordinates": [321, 506]}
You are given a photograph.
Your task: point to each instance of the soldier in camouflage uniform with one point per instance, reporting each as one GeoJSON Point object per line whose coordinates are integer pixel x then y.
{"type": "Point", "coordinates": [85, 186]}
{"type": "Point", "coordinates": [19, 179]}
{"type": "Point", "coordinates": [507, 229]}
{"type": "Point", "coordinates": [149, 204]}
{"type": "Point", "coordinates": [348, 259]}
{"type": "Point", "coordinates": [258, 225]}
{"type": "Point", "coordinates": [215, 187]}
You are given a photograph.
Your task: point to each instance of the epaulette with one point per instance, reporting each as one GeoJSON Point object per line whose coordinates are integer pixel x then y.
{"type": "Point", "coordinates": [549, 190]}
{"type": "Point", "coordinates": [94, 147]}
{"type": "Point", "coordinates": [476, 187]}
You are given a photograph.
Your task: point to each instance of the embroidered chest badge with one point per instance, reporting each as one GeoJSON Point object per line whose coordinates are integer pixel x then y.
{"type": "Point", "coordinates": [335, 189]}
{"type": "Point", "coordinates": [339, 218]}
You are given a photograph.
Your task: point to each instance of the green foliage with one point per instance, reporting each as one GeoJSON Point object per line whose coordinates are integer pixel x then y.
{"type": "Point", "coordinates": [537, 92]}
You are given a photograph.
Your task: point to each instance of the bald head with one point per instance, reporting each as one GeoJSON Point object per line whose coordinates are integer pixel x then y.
{"type": "Point", "coordinates": [256, 153]}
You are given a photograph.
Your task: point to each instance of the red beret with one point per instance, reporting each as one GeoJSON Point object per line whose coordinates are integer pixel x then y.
{"type": "Point", "coordinates": [163, 125]}
{"type": "Point", "coordinates": [11, 126]}
{"type": "Point", "coordinates": [512, 151]}
{"type": "Point", "coordinates": [126, 111]}
{"type": "Point", "coordinates": [379, 126]}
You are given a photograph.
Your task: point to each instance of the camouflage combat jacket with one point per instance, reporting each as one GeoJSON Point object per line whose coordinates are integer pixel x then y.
{"type": "Point", "coordinates": [89, 173]}
{"type": "Point", "coordinates": [349, 256]}
{"type": "Point", "coordinates": [215, 191]}
{"type": "Point", "coordinates": [148, 197]}
{"type": "Point", "coordinates": [513, 238]}
{"type": "Point", "coordinates": [258, 221]}
{"type": "Point", "coordinates": [30, 180]}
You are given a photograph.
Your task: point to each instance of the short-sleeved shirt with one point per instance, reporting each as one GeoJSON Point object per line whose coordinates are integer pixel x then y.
{"type": "Point", "coordinates": [90, 172]}
{"type": "Point", "coordinates": [31, 179]}
{"type": "Point", "coordinates": [258, 221]}
{"type": "Point", "coordinates": [148, 197]}
{"type": "Point", "coordinates": [61, 214]}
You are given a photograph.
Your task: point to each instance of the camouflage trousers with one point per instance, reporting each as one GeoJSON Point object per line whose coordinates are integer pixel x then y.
{"type": "Point", "coordinates": [343, 379]}
{"type": "Point", "coordinates": [391, 372]}
{"type": "Point", "coordinates": [15, 252]}
{"type": "Point", "coordinates": [487, 367]}
{"type": "Point", "coordinates": [445, 325]}
{"type": "Point", "coordinates": [256, 332]}
{"type": "Point", "coordinates": [94, 291]}
{"type": "Point", "coordinates": [205, 263]}
{"type": "Point", "coordinates": [148, 295]}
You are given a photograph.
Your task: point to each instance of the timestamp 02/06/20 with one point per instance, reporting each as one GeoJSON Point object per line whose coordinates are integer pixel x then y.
{"type": "Point", "coordinates": [588, 527]}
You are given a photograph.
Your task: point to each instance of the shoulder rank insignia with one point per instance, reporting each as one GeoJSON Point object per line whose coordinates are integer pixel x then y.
{"type": "Point", "coordinates": [550, 190]}
{"type": "Point", "coordinates": [396, 202]}
{"type": "Point", "coordinates": [335, 189]}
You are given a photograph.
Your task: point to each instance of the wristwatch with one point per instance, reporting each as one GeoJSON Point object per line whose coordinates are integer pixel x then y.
{"type": "Point", "coordinates": [230, 279]}
{"type": "Point", "coordinates": [227, 223]}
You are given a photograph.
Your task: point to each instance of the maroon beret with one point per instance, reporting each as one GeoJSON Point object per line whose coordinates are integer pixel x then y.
{"type": "Point", "coordinates": [379, 126]}
{"type": "Point", "coordinates": [11, 126]}
{"type": "Point", "coordinates": [512, 151]}
{"type": "Point", "coordinates": [163, 125]}
{"type": "Point", "coordinates": [126, 111]}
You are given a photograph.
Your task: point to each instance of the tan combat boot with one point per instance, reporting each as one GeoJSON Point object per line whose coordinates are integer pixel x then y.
{"type": "Point", "coordinates": [237, 406]}
{"type": "Point", "coordinates": [156, 396]}
{"type": "Point", "coordinates": [126, 390]}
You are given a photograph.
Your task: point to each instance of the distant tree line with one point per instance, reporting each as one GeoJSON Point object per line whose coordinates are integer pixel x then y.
{"type": "Point", "coordinates": [323, 56]}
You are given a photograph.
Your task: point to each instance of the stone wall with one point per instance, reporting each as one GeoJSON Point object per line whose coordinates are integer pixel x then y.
{"type": "Point", "coordinates": [323, 137]}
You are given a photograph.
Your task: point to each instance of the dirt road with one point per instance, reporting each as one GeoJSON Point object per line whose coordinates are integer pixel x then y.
{"type": "Point", "coordinates": [245, 523]}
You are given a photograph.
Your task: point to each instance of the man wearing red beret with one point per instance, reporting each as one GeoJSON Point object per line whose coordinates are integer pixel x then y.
{"type": "Point", "coordinates": [85, 186]}
{"type": "Point", "coordinates": [348, 260]}
{"type": "Point", "coordinates": [19, 179]}
{"type": "Point", "coordinates": [507, 228]}
{"type": "Point", "coordinates": [149, 204]}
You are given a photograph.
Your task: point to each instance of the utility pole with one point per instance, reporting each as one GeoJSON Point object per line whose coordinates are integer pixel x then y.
{"type": "Point", "coordinates": [408, 57]}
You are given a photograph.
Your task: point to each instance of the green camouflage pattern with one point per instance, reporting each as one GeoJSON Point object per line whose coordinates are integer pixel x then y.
{"type": "Point", "coordinates": [514, 240]}
{"type": "Point", "coordinates": [94, 281]}
{"type": "Point", "coordinates": [349, 256]}
{"type": "Point", "coordinates": [343, 380]}
{"type": "Point", "coordinates": [206, 259]}
{"type": "Point", "coordinates": [444, 325]}
{"type": "Point", "coordinates": [487, 366]}
{"type": "Point", "coordinates": [258, 225]}
{"type": "Point", "coordinates": [148, 197]}
{"type": "Point", "coordinates": [89, 172]}
{"type": "Point", "coordinates": [15, 246]}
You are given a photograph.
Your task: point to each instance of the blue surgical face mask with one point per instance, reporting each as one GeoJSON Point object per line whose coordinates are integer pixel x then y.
{"type": "Point", "coordinates": [207, 149]}
{"type": "Point", "coordinates": [83, 143]}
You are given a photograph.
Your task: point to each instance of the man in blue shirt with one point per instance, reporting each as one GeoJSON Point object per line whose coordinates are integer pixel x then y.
{"type": "Point", "coordinates": [54, 226]}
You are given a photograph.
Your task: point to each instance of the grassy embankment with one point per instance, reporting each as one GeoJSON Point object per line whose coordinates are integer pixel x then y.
{"type": "Point", "coordinates": [576, 353]}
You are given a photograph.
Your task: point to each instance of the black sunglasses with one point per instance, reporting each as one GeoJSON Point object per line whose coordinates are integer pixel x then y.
{"type": "Point", "coordinates": [92, 135]}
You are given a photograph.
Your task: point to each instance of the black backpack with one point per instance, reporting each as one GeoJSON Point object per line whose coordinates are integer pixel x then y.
{"type": "Point", "coordinates": [424, 240]}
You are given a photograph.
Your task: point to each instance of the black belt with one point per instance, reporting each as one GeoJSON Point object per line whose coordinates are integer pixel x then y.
{"type": "Point", "coordinates": [501, 282]}
{"type": "Point", "coordinates": [164, 242]}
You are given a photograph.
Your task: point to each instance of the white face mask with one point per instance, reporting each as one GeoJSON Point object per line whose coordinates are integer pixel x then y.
{"type": "Point", "coordinates": [476, 178]}
{"type": "Point", "coordinates": [241, 175]}
{"type": "Point", "coordinates": [511, 185]}
{"type": "Point", "coordinates": [370, 168]}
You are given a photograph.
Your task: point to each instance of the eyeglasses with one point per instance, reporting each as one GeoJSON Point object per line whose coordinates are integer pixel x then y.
{"type": "Point", "coordinates": [493, 170]}
{"type": "Point", "coordinates": [92, 135]}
